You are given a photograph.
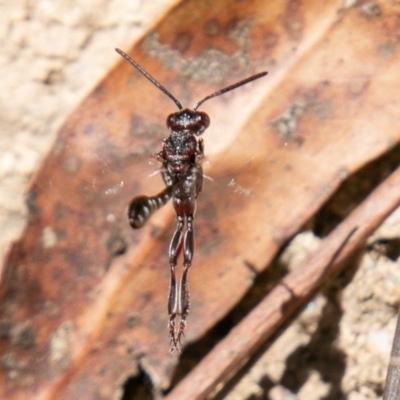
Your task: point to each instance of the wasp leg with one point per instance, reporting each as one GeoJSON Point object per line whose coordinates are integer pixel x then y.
{"type": "Point", "coordinates": [188, 249]}
{"type": "Point", "coordinates": [174, 310]}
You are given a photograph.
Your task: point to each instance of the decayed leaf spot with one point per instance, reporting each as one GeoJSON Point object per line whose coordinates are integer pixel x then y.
{"type": "Point", "coordinates": [60, 344]}
{"type": "Point", "coordinates": [371, 8]}
{"type": "Point", "coordinates": [293, 19]}
{"type": "Point", "coordinates": [212, 28]}
{"type": "Point", "coordinates": [22, 335]}
{"type": "Point", "coordinates": [182, 42]}
{"type": "Point", "coordinates": [211, 66]}
{"type": "Point", "coordinates": [49, 237]}
{"type": "Point", "coordinates": [286, 125]}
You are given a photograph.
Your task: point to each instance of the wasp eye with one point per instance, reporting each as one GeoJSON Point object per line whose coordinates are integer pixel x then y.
{"type": "Point", "coordinates": [172, 121]}
{"type": "Point", "coordinates": [204, 119]}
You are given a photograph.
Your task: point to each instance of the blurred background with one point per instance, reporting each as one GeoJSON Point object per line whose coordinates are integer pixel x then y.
{"type": "Point", "coordinates": [52, 55]}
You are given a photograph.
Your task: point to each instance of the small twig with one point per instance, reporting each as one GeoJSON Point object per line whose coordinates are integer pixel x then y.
{"type": "Point", "coordinates": [287, 298]}
{"type": "Point", "coordinates": [392, 387]}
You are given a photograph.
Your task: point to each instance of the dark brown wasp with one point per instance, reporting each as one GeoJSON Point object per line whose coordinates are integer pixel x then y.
{"type": "Point", "coordinates": [183, 176]}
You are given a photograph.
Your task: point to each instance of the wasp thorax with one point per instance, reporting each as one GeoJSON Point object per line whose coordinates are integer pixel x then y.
{"type": "Point", "coordinates": [195, 121]}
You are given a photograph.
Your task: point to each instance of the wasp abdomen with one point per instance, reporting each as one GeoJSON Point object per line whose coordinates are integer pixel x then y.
{"type": "Point", "coordinates": [141, 208]}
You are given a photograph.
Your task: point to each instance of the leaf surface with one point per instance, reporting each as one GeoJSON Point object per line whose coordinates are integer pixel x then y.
{"type": "Point", "coordinates": [83, 296]}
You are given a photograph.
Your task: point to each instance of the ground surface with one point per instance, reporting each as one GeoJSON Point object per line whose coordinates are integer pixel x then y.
{"type": "Point", "coordinates": [53, 54]}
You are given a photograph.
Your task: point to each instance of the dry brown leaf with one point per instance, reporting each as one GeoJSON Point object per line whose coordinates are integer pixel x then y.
{"type": "Point", "coordinates": [83, 296]}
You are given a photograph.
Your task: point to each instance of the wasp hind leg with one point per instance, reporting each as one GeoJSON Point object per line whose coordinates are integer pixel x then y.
{"type": "Point", "coordinates": [175, 249]}
{"type": "Point", "coordinates": [178, 299]}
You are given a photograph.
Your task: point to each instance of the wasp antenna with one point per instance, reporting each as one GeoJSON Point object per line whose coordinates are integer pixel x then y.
{"type": "Point", "coordinates": [229, 88]}
{"type": "Point", "coordinates": [149, 77]}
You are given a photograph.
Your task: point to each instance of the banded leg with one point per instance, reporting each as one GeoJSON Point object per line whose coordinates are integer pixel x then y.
{"type": "Point", "coordinates": [178, 300]}
{"type": "Point", "coordinates": [141, 208]}
{"type": "Point", "coordinates": [188, 249]}
{"type": "Point", "coordinates": [175, 249]}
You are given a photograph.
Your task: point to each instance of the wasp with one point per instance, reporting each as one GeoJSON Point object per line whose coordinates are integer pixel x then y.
{"type": "Point", "coordinates": [182, 172]}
